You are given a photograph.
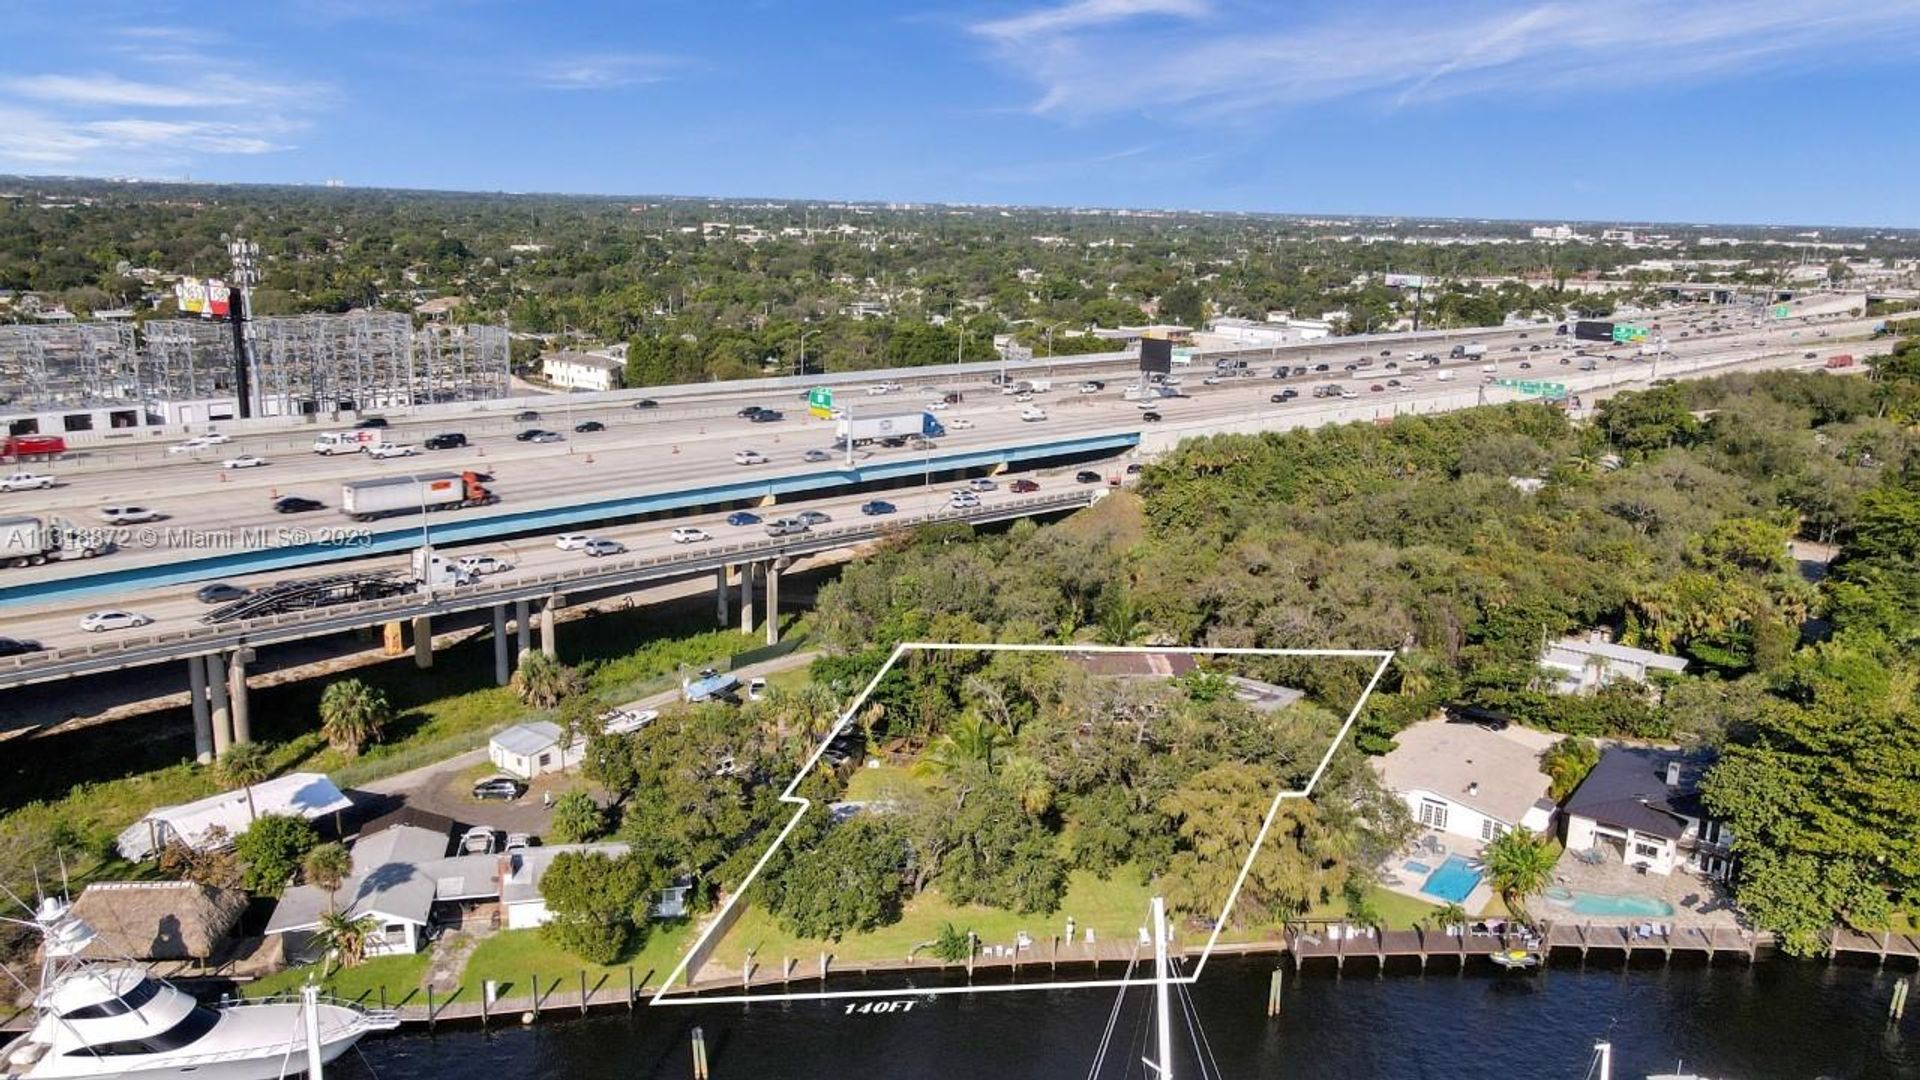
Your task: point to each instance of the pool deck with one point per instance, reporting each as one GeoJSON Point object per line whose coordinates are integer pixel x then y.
{"type": "Point", "coordinates": [1695, 900]}
{"type": "Point", "coordinates": [1395, 877]}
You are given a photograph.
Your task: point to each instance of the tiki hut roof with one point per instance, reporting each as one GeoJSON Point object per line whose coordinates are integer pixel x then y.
{"type": "Point", "coordinates": [158, 920]}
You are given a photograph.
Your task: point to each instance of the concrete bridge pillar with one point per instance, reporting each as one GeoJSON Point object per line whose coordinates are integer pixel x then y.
{"type": "Point", "coordinates": [202, 720]}
{"type": "Point", "coordinates": [237, 692]}
{"type": "Point", "coordinates": [720, 605]}
{"type": "Point", "coordinates": [523, 632]}
{"type": "Point", "coordinates": [215, 674]}
{"type": "Point", "coordinates": [773, 603]}
{"type": "Point", "coordinates": [502, 650]}
{"type": "Point", "coordinates": [549, 641]}
{"type": "Point", "coordinates": [746, 597]}
{"type": "Point", "coordinates": [423, 641]}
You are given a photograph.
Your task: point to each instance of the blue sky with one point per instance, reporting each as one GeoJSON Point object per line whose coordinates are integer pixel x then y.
{"type": "Point", "coordinates": [1737, 111]}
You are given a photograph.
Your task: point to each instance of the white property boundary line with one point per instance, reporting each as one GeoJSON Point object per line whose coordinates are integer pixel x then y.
{"type": "Point", "coordinates": [667, 996]}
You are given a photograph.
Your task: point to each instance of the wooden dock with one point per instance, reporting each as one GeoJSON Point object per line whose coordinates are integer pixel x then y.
{"type": "Point", "coordinates": [1585, 940]}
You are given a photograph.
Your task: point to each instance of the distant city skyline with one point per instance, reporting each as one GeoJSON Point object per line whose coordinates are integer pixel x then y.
{"type": "Point", "coordinates": [1748, 111]}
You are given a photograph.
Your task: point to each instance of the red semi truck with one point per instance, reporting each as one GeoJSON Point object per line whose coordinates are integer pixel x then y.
{"type": "Point", "coordinates": [1843, 360]}
{"type": "Point", "coordinates": [30, 447]}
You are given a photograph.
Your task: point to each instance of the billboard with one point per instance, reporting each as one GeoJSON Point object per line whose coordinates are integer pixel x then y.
{"type": "Point", "coordinates": [1156, 354]}
{"type": "Point", "coordinates": [1406, 281]}
{"type": "Point", "coordinates": [1593, 330]}
{"type": "Point", "coordinates": [207, 299]}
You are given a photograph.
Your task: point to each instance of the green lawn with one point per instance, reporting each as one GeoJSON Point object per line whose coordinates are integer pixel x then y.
{"type": "Point", "coordinates": [400, 975]}
{"type": "Point", "coordinates": [1115, 909]}
{"type": "Point", "coordinates": [885, 782]}
{"type": "Point", "coordinates": [513, 957]}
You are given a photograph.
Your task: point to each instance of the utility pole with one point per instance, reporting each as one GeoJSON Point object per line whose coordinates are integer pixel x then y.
{"type": "Point", "coordinates": [246, 273]}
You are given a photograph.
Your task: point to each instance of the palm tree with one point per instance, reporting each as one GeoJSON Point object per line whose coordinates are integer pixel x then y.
{"type": "Point", "coordinates": [970, 742]}
{"type": "Point", "coordinates": [352, 714]}
{"type": "Point", "coordinates": [327, 866]}
{"type": "Point", "coordinates": [342, 938]}
{"type": "Point", "coordinates": [1519, 865]}
{"type": "Point", "coordinates": [246, 764]}
{"type": "Point", "coordinates": [1027, 778]}
{"type": "Point", "coordinates": [541, 681]}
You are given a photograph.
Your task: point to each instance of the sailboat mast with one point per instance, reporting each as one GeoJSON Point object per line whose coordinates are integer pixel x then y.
{"type": "Point", "coordinates": [1163, 1019]}
{"type": "Point", "coordinates": [310, 1006]}
{"type": "Point", "coordinates": [1603, 1058]}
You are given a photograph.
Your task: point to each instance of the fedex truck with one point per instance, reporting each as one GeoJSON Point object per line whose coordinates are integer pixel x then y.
{"type": "Point", "coordinates": [345, 442]}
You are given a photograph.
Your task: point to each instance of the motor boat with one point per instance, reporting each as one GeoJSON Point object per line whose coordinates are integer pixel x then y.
{"type": "Point", "coordinates": [1516, 959]}
{"type": "Point", "coordinates": [101, 1019]}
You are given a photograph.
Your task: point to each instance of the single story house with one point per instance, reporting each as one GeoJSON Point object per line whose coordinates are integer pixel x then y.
{"type": "Point", "coordinates": [158, 920]}
{"type": "Point", "coordinates": [399, 874]}
{"type": "Point", "coordinates": [533, 748]}
{"type": "Point", "coordinates": [1643, 805]}
{"type": "Point", "coordinates": [1582, 665]}
{"type": "Point", "coordinates": [214, 821]}
{"type": "Point", "coordinates": [520, 874]}
{"type": "Point", "coordinates": [582, 371]}
{"type": "Point", "coordinates": [1470, 781]}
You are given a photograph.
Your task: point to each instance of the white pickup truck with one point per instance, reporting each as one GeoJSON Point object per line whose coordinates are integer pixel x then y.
{"type": "Point", "coordinates": [24, 481]}
{"type": "Point", "coordinates": [386, 450]}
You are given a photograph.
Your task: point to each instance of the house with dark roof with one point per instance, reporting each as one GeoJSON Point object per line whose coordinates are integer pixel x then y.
{"type": "Point", "coordinates": [1642, 806]}
{"type": "Point", "coordinates": [399, 875]}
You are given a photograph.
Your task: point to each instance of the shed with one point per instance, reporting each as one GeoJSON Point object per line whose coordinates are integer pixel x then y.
{"type": "Point", "coordinates": [214, 821]}
{"type": "Point", "coordinates": [533, 748]}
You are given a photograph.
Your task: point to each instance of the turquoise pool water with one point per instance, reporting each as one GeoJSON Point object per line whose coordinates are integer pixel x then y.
{"type": "Point", "coordinates": [1453, 882]}
{"type": "Point", "coordinates": [1615, 905]}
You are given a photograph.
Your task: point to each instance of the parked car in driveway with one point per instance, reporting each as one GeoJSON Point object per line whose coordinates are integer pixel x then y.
{"type": "Point", "coordinates": [95, 622]}
{"type": "Point", "coordinates": [597, 548]}
{"type": "Point", "coordinates": [499, 787]}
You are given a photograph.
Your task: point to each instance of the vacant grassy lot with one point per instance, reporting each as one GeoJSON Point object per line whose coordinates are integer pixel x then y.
{"type": "Point", "coordinates": [513, 957]}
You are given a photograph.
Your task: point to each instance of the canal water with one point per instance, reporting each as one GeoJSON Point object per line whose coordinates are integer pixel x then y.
{"type": "Point", "coordinates": [1777, 1019]}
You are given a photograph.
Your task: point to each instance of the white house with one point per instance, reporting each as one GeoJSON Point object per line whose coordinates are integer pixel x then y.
{"type": "Point", "coordinates": [399, 874]}
{"type": "Point", "coordinates": [1643, 806]}
{"type": "Point", "coordinates": [1581, 665]}
{"type": "Point", "coordinates": [214, 821]}
{"type": "Point", "coordinates": [520, 876]}
{"type": "Point", "coordinates": [582, 371]}
{"type": "Point", "coordinates": [532, 749]}
{"type": "Point", "coordinates": [1468, 780]}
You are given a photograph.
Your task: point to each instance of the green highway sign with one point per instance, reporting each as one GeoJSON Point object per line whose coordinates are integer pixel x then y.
{"type": "Point", "coordinates": [1550, 390]}
{"type": "Point", "coordinates": [1781, 311]}
{"type": "Point", "coordinates": [820, 402]}
{"type": "Point", "coordinates": [1625, 332]}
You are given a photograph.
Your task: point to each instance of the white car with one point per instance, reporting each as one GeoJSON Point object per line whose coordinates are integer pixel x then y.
{"type": "Point", "coordinates": [24, 481]}
{"type": "Point", "coordinates": [960, 423]}
{"type": "Point", "coordinates": [941, 405]}
{"type": "Point", "coordinates": [197, 443]}
{"type": "Point", "coordinates": [1032, 413]}
{"type": "Point", "coordinates": [483, 564]}
{"type": "Point", "coordinates": [981, 483]}
{"type": "Point", "coordinates": [127, 515]}
{"type": "Point", "coordinates": [601, 548]}
{"type": "Point", "coordinates": [95, 622]}
{"type": "Point", "coordinates": [749, 457]}
{"type": "Point", "coordinates": [571, 541]}
{"type": "Point", "coordinates": [963, 500]}
{"type": "Point", "coordinates": [686, 534]}
{"type": "Point", "coordinates": [244, 461]}
{"type": "Point", "coordinates": [388, 450]}
{"type": "Point", "coordinates": [1211, 380]}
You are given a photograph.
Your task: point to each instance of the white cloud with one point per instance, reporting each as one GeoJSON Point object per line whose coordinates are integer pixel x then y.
{"type": "Point", "coordinates": [604, 71]}
{"type": "Point", "coordinates": [1099, 57]}
{"type": "Point", "coordinates": [110, 90]}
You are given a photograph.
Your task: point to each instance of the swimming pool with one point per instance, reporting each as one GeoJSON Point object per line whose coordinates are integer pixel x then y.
{"type": "Point", "coordinates": [1453, 882]}
{"type": "Point", "coordinates": [1413, 866]}
{"type": "Point", "coordinates": [1628, 905]}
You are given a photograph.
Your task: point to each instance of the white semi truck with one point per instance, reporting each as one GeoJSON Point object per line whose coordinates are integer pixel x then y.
{"type": "Point", "coordinates": [31, 541]}
{"type": "Point", "coordinates": [365, 500]}
{"type": "Point", "coordinates": [866, 426]}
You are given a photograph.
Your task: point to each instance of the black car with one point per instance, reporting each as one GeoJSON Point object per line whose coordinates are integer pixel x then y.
{"type": "Point", "coordinates": [1086, 476]}
{"type": "Point", "coordinates": [589, 425]}
{"type": "Point", "coordinates": [877, 507]}
{"type": "Point", "coordinates": [1284, 395]}
{"type": "Point", "coordinates": [525, 415]}
{"type": "Point", "coordinates": [894, 442]}
{"type": "Point", "coordinates": [449, 440]}
{"type": "Point", "coordinates": [767, 416]}
{"type": "Point", "coordinates": [1386, 352]}
{"type": "Point", "coordinates": [646, 403]}
{"type": "Point", "coordinates": [295, 504]}
{"type": "Point", "coordinates": [749, 412]}
{"type": "Point", "coordinates": [529, 435]}
{"type": "Point", "coordinates": [16, 647]}
{"type": "Point", "coordinates": [372, 422]}
{"type": "Point", "coordinates": [220, 593]}
{"type": "Point", "coordinates": [1150, 416]}
{"type": "Point", "coordinates": [1322, 367]}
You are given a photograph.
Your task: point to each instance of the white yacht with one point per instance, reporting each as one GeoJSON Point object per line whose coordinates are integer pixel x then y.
{"type": "Point", "coordinates": [106, 1020]}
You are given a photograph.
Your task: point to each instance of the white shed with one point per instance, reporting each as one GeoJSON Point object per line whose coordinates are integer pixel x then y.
{"type": "Point", "coordinates": [533, 748]}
